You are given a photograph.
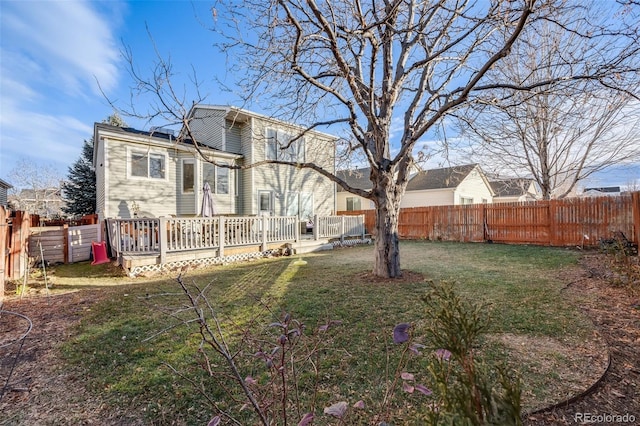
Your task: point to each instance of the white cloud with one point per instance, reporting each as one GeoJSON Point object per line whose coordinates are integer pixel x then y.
{"type": "Point", "coordinates": [51, 54]}
{"type": "Point", "coordinates": [68, 40]}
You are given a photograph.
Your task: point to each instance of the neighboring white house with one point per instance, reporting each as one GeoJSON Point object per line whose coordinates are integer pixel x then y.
{"type": "Point", "coordinates": [456, 185]}
{"type": "Point", "coordinates": [515, 190]}
{"type": "Point", "coordinates": [48, 203]}
{"type": "Point", "coordinates": [358, 178]}
{"type": "Point", "coordinates": [601, 191]}
{"type": "Point", "coordinates": [446, 186]}
{"type": "Point", "coordinates": [155, 174]}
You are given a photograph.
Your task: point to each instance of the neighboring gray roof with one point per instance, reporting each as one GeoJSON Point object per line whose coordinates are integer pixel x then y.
{"type": "Point", "coordinates": [5, 184]}
{"type": "Point", "coordinates": [448, 177]}
{"type": "Point", "coordinates": [604, 189]}
{"type": "Point", "coordinates": [515, 187]}
{"type": "Point", "coordinates": [358, 178]}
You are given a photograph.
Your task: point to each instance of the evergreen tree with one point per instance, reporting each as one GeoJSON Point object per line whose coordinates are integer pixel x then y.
{"type": "Point", "coordinates": [80, 188]}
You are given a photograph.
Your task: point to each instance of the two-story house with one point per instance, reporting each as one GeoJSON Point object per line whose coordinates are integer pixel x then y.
{"type": "Point", "coordinates": [156, 174]}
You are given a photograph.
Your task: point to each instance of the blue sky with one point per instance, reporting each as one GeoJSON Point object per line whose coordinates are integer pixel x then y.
{"type": "Point", "coordinates": [53, 54]}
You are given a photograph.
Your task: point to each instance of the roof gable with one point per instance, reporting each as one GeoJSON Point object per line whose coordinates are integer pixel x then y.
{"type": "Point", "coordinates": [358, 178]}
{"type": "Point", "coordinates": [448, 177]}
{"type": "Point", "coordinates": [515, 187]}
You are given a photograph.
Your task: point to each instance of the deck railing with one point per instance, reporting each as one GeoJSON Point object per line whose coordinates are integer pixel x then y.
{"type": "Point", "coordinates": [170, 235]}
{"type": "Point", "coordinates": [339, 226]}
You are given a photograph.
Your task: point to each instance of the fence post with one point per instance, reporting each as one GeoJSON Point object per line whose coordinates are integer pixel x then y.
{"type": "Point", "coordinates": [316, 226]}
{"type": "Point", "coordinates": [635, 201]}
{"type": "Point", "coordinates": [363, 228]}
{"type": "Point", "coordinates": [221, 236]}
{"type": "Point", "coordinates": [163, 239]}
{"type": "Point", "coordinates": [342, 228]}
{"type": "Point", "coordinates": [265, 222]}
{"type": "Point", "coordinates": [66, 243]}
{"type": "Point", "coordinates": [20, 235]}
{"type": "Point", "coordinates": [3, 240]}
{"type": "Point", "coordinates": [553, 222]}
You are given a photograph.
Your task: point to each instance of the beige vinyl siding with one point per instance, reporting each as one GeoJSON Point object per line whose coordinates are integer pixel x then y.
{"type": "Point", "coordinates": [233, 137]}
{"type": "Point", "coordinates": [208, 126]}
{"type": "Point", "coordinates": [282, 179]}
{"type": "Point", "coordinates": [248, 197]}
{"type": "Point", "coordinates": [156, 197]}
{"type": "Point", "coordinates": [100, 168]}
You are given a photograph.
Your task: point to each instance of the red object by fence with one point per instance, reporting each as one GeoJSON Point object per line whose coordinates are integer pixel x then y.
{"type": "Point", "coordinates": [99, 252]}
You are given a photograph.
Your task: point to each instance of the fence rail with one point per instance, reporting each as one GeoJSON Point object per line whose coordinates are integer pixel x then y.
{"type": "Point", "coordinates": [568, 222]}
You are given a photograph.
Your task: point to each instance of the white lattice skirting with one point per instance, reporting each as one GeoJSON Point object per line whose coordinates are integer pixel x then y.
{"type": "Point", "coordinates": [210, 261]}
{"type": "Point", "coordinates": [196, 263]}
{"type": "Point", "coordinates": [354, 242]}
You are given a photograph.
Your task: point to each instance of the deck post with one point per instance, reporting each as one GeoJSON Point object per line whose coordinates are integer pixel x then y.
{"type": "Point", "coordinates": [363, 230]}
{"type": "Point", "coordinates": [635, 202]}
{"type": "Point", "coordinates": [163, 232]}
{"type": "Point", "coordinates": [316, 226]}
{"type": "Point", "coordinates": [264, 233]}
{"type": "Point", "coordinates": [221, 236]}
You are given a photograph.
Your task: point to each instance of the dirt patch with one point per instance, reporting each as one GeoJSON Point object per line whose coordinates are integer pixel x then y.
{"type": "Point", "coordinates": [571, 366]}
{"type": "Point", "coordinates": [41, 391]}
{"type": "Point", "coordinates": [615, 313]}
{"type": "Point", "coordinates": [407, 277]}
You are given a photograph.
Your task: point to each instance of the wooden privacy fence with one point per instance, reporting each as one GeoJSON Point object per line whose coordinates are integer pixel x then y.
{"type": "Point", "coordinates": [568, 222]}
{"type": "Point", "coordinates": [63, 244]}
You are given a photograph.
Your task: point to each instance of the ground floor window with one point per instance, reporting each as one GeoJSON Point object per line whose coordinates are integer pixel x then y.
{"type": "Point", "coordinates": [466, 200]}
{"type": "Point", "coordinates": [217, 176]}
{"type": "Point", "coordinates": [353, 203]}
{"type": "Point", "coordinates": [299, 204]}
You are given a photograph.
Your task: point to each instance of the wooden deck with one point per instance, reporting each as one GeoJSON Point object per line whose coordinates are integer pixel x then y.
{"type": "Point", "coordinates": [145, 245]}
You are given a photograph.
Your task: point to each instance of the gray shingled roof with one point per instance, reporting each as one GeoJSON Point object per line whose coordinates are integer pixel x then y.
{"type": "Point", "coordinates": [358, 178]}
{"type": "Point", "coordinates": [510, 187]}
{"type": "Point", "coordinates": [448, 177]}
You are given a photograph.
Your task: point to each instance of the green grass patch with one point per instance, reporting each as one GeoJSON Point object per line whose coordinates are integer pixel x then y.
{"type": "Point", "coordinates": [125, 344]}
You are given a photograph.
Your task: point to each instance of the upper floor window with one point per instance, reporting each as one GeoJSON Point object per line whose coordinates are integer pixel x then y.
{"type": "Point", "coordinates": [148, 165]}
{"type": "Point", "coordinates": [279, 147]}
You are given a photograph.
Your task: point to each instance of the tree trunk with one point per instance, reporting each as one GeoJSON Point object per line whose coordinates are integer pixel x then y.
{"type": "Point", "coordinates": [387, 249]}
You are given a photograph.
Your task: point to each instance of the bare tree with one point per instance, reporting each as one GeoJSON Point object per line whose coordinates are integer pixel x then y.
{"type": "Point", "coordinates": [564, 132]}
{"type": "Point", "coordinates": [36, 189]}
{"type": "Point", "coordinates": [367, 69]}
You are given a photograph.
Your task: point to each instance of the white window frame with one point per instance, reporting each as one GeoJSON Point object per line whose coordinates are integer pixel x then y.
{"type": "Point", "coordinates": [276, 139]}
{"type": "Point", "coordinates": [214, 184]}
{"type": "Point", "coordinates": [195, 174]}
{"type": "Point", "coordinates": [148, 153]}
{"type": "Point", "coordinates": [465, 201]}
{"type": "Point", "coordinates": [353, 200]}
{"type": "Point", "coordinates": [300, 197]}
{"type": "Point", "coordinates": [271, 201]}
